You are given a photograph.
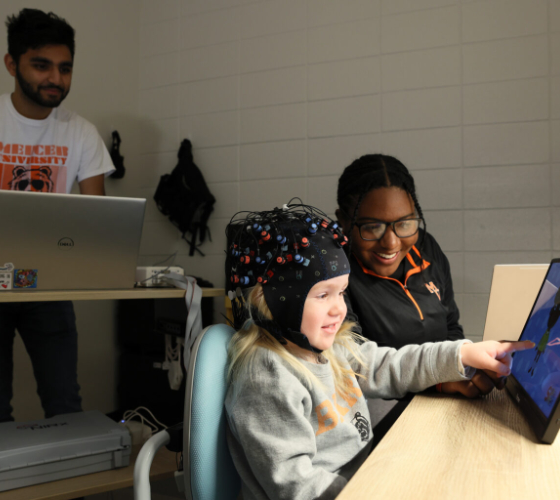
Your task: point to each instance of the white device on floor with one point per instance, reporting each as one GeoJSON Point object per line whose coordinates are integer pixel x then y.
{"type": "Point", "coordinates": [68, 242]}
{"type": "Point", "coordinates": [512, 294]}
{"type": "Point", "coordinates": [64, 446]}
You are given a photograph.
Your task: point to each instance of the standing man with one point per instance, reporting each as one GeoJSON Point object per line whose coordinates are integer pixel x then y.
{"type": "Point", "coordinates": [44, 147]}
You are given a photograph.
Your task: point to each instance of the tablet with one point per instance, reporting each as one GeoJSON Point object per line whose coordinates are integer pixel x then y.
{"type": "Point", "coordinates": [534, 382]}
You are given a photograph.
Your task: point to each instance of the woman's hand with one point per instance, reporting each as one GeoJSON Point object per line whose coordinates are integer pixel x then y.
{"type": "Point", "coordinates": [483, 382]}
{"type": "Point", "coordinates": [492, 355]}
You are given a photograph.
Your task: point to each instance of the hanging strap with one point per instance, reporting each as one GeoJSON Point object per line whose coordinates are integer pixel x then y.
{"type": "Point", "coordinates": [193, 299]}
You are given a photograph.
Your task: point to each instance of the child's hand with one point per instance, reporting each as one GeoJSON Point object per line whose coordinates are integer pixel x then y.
{"type": "Point", "coordinates": [492, 355]}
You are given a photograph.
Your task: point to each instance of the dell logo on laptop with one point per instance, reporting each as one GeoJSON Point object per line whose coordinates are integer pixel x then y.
{"type": "Point", "coordinates": [66, 243]}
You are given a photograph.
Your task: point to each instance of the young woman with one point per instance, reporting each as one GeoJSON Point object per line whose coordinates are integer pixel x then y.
{"type": "Point", "coordinates": [298, 422]}
{"type": "Point", "coordinates": [401, 290]}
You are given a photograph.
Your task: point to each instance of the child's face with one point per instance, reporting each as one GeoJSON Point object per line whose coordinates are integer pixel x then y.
{"type": "Point", "coordinates": [324, 311]}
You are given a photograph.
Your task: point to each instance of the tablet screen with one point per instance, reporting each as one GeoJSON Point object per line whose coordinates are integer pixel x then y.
{"type": "Point", "coordinates": [538, 369]}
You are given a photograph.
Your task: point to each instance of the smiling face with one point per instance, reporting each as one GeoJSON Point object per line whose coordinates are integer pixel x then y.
{"type": "Point", "coordinates": [43, 75]}
{"type": "Point", "coordinates": [386, 204]}
{"type": "Point", "coordinates": [324, 311]}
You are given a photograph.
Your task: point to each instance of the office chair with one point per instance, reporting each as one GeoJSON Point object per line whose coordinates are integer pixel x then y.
{"type": "Point", "coordinates": [209, 473]}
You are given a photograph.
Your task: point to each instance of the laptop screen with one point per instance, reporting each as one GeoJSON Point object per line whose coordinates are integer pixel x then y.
{"type": "Point", "coordinates": [538, 370]}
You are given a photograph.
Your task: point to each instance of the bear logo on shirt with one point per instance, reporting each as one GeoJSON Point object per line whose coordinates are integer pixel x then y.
{"type": "Point", "coordinates": [32, 179]}
{"type": "Point", "coordinates": [362, 425]}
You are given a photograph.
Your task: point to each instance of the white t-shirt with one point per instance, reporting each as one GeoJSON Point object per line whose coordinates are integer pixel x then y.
{"type": "Point", "coordinates": [48, 155]}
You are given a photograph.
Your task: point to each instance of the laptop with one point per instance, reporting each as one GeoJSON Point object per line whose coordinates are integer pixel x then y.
{"type": "Point", "coordinates": [534, 382]}
{"type": "Point", "coordinates": [512, 294]}
{"type": "Point", "coordinates": [68, 242]}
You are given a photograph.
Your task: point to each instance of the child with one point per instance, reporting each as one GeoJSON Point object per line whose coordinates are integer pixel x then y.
{"type": "Point", "coordinates": [298, 419]}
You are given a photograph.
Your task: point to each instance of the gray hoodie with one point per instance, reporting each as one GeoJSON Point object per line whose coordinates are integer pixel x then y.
{"type": "Point", "coordinates": [292, 442]}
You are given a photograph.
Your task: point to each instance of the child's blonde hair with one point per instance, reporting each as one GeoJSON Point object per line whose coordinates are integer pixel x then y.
{"type": "Point", "coordinates": [245, 342]}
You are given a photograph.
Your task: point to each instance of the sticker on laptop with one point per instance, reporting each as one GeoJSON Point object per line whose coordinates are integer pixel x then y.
{"type": "Point", "coordinates": [25, 278]}
{"type": "Point", "coordinates": [6, 274]}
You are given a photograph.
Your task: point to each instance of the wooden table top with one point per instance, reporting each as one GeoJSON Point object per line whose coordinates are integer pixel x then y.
{"type": "Point", "coordinates": [130, 293]}
{"type": "Point", "coordinates": [163, 467]}
{"type": "Point", "coordinates": [446, 447]}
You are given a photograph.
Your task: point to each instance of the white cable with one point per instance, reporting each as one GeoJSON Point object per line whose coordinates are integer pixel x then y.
{"type": "Point", "coordinates": [136, 411]}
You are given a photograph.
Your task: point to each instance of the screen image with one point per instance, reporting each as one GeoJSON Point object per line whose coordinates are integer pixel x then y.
{"type": "Point", "coordinates": [538, 369]}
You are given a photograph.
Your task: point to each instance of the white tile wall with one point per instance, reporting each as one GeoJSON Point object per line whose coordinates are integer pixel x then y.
{"type": "Point", "coordinates": [159, 70]}
{"type": "Point", "coordinates": [419, 149]}
{"type": "Point", "coordinates": [421, 30]}
{"type": "Point", "coordinates": [219, 164]}
{"type": "Point", "coordinates": [160, 37]}
{"type": "Point", "coordinates": [428, 108]}
{"type": "Point", "coordinates": [439, 189]}
{"type": "Point", "coordinates": [511, 143]}
{"type": "Point", "coordinates": [278, 96]}
{"type": "Point", "coordinates": [209, 62]}
{"type": "Point", "coordinates": [485, 20]}
{"type": "Point", "coordinates": [274, 51]}
{"type": "Point", "coordinates": [267, 18]}
{"type": "Point", "coordinates": [214, 129]}
{"type": "Point", "coordinates": [344, 41]}
{"type": "Point", "coordinates": [439, 67]}
{"type": "Point", "coordinates": [279, 86]}
{"type": "Point", "coordinates": [554, 16]}
{"type": "Point", "coordinates": [267, 194]}
{"type": "Point", "coordinates": [331, 155]}
{"type": "Point", "coordinates": [208, 96]}
{"type": "Point", "coordinates": [555, 97]}
{"type": "Point", "coordinates": [510, 101]}
{"type": "Point", "coordinates": [210, 28]}
{"type": "Point", "coordinates": [400, 6]}
{"type": "Point", "coordinates": [507, 187]}
{"type": "Point", "coordinates": [344, 78]}
{"type": "Point", "coordinates": [555, 168]}
{"type": "Point", "coordinates": [273, 123]}
{"type": "Point", "coordinates": [507, 229]}
{"type": "Point", "coordinates": [355, 115]}
{"type": "Point", "coordinates": [320, 188]}
{"type": "Point", "coordinates": [154, 12]}
{"type": "Point", "coordinates": [273, 160]}
{"type": "Point", "coordinates": [323, 12]}
{"type": "Point", "coordinates": [509, 59]}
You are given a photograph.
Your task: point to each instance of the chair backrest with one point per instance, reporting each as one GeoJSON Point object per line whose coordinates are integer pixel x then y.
{"type": "Point", "coordinates": [209, 470]}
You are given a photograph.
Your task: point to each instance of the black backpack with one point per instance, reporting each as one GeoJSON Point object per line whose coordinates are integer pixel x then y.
{"type": "Point", "coordinates": [185, 198]}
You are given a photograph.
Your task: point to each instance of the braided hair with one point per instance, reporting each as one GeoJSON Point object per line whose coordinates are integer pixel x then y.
{"type": "Point", "coordinates": [370, 172]}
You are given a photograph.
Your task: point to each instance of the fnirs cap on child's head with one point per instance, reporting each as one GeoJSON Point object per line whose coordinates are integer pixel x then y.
{"type": "Point", "coordinates": [287, 250]}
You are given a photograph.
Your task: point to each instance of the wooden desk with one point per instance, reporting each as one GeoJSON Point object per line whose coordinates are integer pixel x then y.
{"type": "Point", "coordinates": [446, 447]}
{"type": "Point", "coordinates": [163, 467]}
{"type": "Point", "coordinates": [130, 293]}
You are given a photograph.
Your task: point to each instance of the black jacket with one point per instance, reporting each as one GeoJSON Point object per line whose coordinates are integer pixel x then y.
{"type": "Point", "coordinates": [394, 314]}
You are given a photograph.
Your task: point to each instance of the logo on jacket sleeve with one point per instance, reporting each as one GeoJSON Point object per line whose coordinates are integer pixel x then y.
{"type": "Point", "coordinates": [433, 289]}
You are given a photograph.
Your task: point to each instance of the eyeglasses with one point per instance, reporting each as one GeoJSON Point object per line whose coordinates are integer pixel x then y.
{"type": "Point", "coordinates": [374, 231]}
